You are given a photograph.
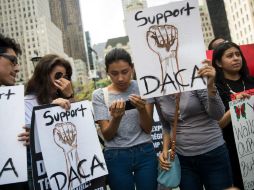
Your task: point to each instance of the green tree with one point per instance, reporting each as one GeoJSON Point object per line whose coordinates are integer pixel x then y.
{"type": "Point", "coordinates": [85, 91]}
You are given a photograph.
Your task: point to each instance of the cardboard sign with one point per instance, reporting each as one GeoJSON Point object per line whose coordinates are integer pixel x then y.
{"type": "Point", "coordinates": [66, 152]}
{"type": "Point", "coordinates": [13, 159]}
{"type": "Point", "coordinates": [168, 48]}
{"type": "Point", "coordinates": [242, 116]}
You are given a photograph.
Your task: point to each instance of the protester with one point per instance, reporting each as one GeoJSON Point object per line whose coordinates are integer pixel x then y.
{"type": "Point", "coordinates": [232, 77]}
{"type": "Point", "coordinates": [129, 153]}
{"type": "Point", "coordinates": [199, 142]}
{"type": "Point", "coordinates": [50, 84]}
{"type": "Point", "coordinates": [215, 42]}
{"type": "Point", "coordinates": [9, 50]}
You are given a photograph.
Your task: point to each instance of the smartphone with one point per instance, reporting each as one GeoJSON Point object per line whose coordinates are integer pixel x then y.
{"type": "Point", "coordinates": [129, 105]}
{"type": "Point", "coordinates": [58, 75]}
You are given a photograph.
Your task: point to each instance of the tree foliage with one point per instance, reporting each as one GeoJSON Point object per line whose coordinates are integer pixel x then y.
{"type": "Point", "coordinates": [85, 91]}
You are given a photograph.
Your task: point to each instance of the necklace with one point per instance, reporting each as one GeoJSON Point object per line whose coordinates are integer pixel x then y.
{"type": "Point", "coordinates": [233, 92]}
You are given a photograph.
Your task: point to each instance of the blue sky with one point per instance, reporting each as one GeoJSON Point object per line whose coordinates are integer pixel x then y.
{"type": "Point", "coordinates": [104, 18]}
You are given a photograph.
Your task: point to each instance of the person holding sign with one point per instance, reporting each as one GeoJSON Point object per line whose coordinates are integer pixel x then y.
{"type": "Point", "coordinates": [50, 84]}
{"type": "Point", "coordinates": [233, 82]}
{"type": "Point", "coordinates": [126, 126]}
{"type": "Point", "coordinates": [200, 146]}
{"type": "Point", "coordinates": [9, 67]}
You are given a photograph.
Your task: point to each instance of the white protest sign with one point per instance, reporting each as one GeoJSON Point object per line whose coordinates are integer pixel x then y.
{"type": "Point", "coordinates": [242, 116]}
{"type": "Point", "coordinates": [13, 161]}
{"type": "Point", "coordinates": [70, 147]}
{"type": "Point", "coordinates": [167, 47]}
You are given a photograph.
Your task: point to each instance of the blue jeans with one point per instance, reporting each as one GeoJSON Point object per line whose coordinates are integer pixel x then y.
{"type": "Point", "coordinates": [130, 167]}
{"type": "Point", "coordinates": [211, 170]}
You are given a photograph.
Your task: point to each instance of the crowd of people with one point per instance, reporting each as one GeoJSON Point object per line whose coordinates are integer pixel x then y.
{"type": "Point", "coordinates": [204, 136]}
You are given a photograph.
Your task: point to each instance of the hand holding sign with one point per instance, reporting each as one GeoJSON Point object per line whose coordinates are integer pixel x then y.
{"type": "Point", "coordinates": [208, 71]}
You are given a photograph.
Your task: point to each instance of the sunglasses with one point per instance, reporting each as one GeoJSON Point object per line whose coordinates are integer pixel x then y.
{"type": "Point", "coordinates": [13, 59]}
{"type": "Point", "coordinates": [59, 75]}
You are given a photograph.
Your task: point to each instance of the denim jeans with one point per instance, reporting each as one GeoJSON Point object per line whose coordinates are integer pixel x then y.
{"type": "Point", "coordinates": [130, 167]}
{"type": "Point", "coordinates": [211, 170]}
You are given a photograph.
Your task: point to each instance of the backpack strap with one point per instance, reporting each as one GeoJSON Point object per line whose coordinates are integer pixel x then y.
{"type": "Point", "coordinates": [105, 94]}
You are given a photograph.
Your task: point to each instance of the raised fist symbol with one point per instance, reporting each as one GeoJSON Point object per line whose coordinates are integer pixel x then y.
{"type": "Point", "coordinates": [65, 136]}
{"type": "Point", "coordinates": [163, 40]}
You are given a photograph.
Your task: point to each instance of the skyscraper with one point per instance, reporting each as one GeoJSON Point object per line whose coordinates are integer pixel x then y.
{"type": "Point", "coordinates": [206, 23]}
{"type": "Point", "coordinates": [29, 23]}
{"type": "Point", "coordinates": [241, 20]}
{"type": "Point", "coordinates": [66, 16]}
{"type": "Point", "coordinates": [218, 18]}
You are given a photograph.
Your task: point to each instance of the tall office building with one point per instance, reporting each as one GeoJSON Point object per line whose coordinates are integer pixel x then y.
{"type": "Point", "coordinates": [218, 17]}
{"type": "Point", "coordinates": [240, 16]}
{"type": "Point", "coordinates": [29, 23]}
{"type": "Point", "coordinates": [66, 16]}
{"type": "Point", "coordinates": [207, 28]}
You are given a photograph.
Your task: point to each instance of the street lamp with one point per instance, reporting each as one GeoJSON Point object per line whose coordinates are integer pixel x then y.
{"type": "Point", "coordinates": [35, 59]}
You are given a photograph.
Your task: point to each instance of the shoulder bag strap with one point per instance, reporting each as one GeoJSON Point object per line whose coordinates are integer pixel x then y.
{"type": "Point", "coordinates": [173, 141]}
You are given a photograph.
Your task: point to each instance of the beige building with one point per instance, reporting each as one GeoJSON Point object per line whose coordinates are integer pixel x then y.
{"type": "Point", "coordinates": [81, 72]}
{"type": "Point", "coordinates": [129, 5]}
{"type": "Point", "coordinates": [120, 42]}
{"type": "Point", "coordinates": [207, 28]}
{"type": "Point", "coordinates": [65, 14]}
{"type": "Point", "coordinates": [240, 14]}
{"type": "Point", "coordinates": [29, 23]}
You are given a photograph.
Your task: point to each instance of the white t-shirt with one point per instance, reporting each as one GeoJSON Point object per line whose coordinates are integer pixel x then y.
{"type": "Point", "coordinates": [30, 103]}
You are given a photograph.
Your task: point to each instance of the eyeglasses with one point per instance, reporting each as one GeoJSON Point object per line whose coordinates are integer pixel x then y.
{"type": "Point", "coordinates": [13, 59]}
{"type": "Point", "coordinates": [59, 75]}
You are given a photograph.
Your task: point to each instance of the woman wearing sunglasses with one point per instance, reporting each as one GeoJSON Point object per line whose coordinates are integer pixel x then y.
{"type": "Point", "coordinates": [50, 84]}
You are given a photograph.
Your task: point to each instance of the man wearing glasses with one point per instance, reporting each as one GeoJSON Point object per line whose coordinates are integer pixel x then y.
{"type": "Point", "coordinates": [9, 67]}
{"type": "Point", "coordinates": [9, 50]}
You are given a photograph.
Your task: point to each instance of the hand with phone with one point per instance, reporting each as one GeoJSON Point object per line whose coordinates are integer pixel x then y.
{"type": "Point", "coordinates": [63, 84]}
{"type": "Point", "coordinates": [137, 102]}
{"type": "Point", "coordinates": [129, 105]}
{"type": "Point", "coordinates": [117, 108]}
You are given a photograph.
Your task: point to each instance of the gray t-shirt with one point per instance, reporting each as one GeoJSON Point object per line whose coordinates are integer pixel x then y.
{"type": "Point", "coordinates": [198, 131]}
{"type": "Point", "coordinates": [129, 132]}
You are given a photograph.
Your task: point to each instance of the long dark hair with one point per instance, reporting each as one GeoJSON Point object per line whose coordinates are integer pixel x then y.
{"type": "Point", "coordinates": [40, 84]}
{"type": "Point", "coordinates": [217, 56]}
